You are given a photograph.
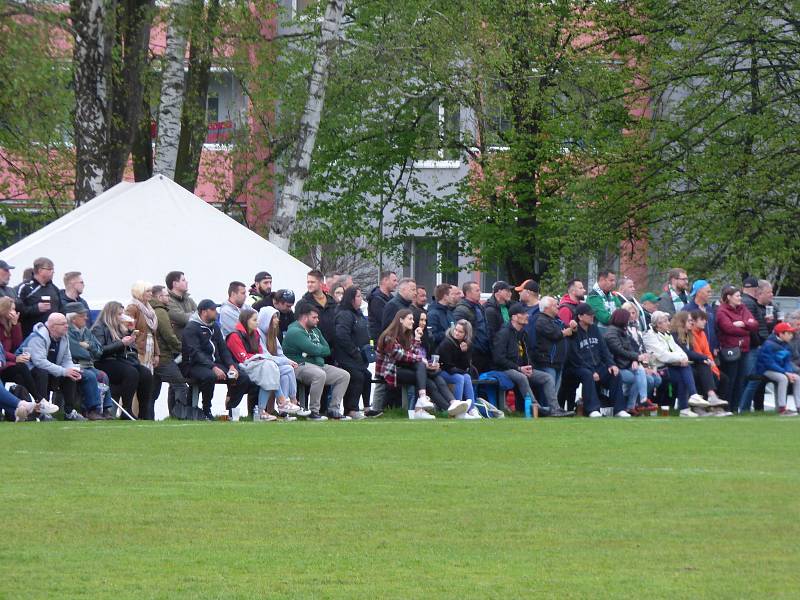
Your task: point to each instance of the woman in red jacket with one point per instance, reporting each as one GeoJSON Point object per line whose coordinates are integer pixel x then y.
{"type": "Point", "coordinates": [14, 367]}
{"type": "Point", "coordinates": [734, 324]}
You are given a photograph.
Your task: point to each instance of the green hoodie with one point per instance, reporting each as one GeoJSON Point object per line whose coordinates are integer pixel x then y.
{"type": "Point", "coordinates": [603, 304]}
{"type": "Point", "coordinates": [304, 346]}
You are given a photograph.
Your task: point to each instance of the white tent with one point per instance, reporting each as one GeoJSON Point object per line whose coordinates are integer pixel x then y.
{"type": "Point", "coordinates": [144, 230]}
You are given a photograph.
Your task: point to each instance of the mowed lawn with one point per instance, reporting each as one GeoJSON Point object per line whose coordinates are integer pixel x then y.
{"type": "Point", "coordinates": [569, 508]}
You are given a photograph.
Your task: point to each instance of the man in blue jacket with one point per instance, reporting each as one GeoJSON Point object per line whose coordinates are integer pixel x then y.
{"type": "Point", "coordinates": [471, 309]}
{"type": "Point", "coordinates": [590, 362]}
{"type": "Point", "coordinates": [440, 313]}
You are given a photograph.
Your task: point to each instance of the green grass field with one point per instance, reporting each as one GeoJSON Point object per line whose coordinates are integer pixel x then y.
{"type": "Point", "coordinates": [568, 508]}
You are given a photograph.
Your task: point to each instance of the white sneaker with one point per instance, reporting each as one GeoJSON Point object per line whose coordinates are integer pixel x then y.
{"type": "Point", "coordinates": [288, 408]}
{"type": "Point", "coordinates": [595, 414]}
{"type": "Point", "coordinates": [721, 412]}
{"type": "Point", "coordinates": [23, 410]}
{"type": "Point", "coordinates": [45, 407]}
{"type": "Point", "coordinates": [474, 414]}
{"type": "Point", "coordinates": [421, 414]}
{"type": "Point", "coordinates": [699, 401]}
{"type": "Point", "coordinates": [303, 412]}
{"type": "Point", "coordinates": [289, 418]}
{"type": "Point", "coordinates": [457, 407]}
{"type": "Point", "coordinates": [356, 415]}
{"type": "Point", "coordinates": [424, 403]}
{"type": "Point", "coordinates": [687, 412]}
{"type": "Point", "coordinates": [623, 414]}
{"type": "Point", "coordinates": [716, 401]}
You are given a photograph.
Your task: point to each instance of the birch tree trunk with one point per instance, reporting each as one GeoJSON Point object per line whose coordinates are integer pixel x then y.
{"type": "Point", "coordinates": [91, 64]}
{"type": "Point", "coordinates": [173, 84]}
{"type": "Point", "coordinates": [283, 221]}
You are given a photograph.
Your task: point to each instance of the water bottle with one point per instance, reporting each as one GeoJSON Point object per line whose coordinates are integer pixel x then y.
{"type": "Point", "coordinates": [528, 407]}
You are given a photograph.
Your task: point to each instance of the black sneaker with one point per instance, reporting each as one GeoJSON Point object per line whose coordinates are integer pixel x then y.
{"type": "Point", "coordinates": [207, 416]}
{"type": "Point", "coordinates": [315, 416]}
{"type": "Point", "coordinates": [373, 414]}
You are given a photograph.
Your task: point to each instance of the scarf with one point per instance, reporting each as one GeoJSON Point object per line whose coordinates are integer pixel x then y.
{"type": "Point", "coordinates": [148, 313]}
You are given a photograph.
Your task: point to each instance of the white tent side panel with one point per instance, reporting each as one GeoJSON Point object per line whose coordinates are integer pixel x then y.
{"type": "Point", "coordinates": [144, 230]}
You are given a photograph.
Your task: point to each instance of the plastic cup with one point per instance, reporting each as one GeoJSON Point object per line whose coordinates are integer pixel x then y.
{"type": "Point", "coordinates": [434, 359]}
{"type": "Point", "coordinates": [769, 310]}
{"type": "Point", "coordinates": [665, 411]}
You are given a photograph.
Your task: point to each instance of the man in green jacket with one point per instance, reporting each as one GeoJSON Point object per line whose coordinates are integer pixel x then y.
{"type": "Point", "coordinates": [169, 347]}
{"type": "Point", "coordinates": [304, 343]}
{"type": "Point", "coordinates": [602, 299]}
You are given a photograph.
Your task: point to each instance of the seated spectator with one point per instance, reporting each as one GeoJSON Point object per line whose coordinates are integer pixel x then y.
{"type": "Point", "coordinates": [6, 290]}
{"type": "Point", "coordinates": [352, 352]}
{"type": "Point", "coordinates": [230, 309]}
{"type": "Point", "coordinates": [404, 298]}
{"type": "Point", "coordinates": [470, 309]}
{"type": "Point", "coordinates": [707, 385]}
{"type": "Point", "coordinates": [207, 361]}
{"type": "Point", "coordinates": [85, 349]}
{"type": "Point", "coordinates": [793, 319]}
{"type": "Point", "coordinates": [15, 363]}
{"type": "Point", "coordinates": [550, 339]}
{"type": "Point", "coordinates": [244, 344]}
{"type": "Point", "coordinates": [376, 301]}
{"type": "Point", "coordinates": [39, 298]}
{"type": "Point", "coordinates": [440, 312]}
{"type": "Point", "coordinates": [603, 299]}
{"type": "Point", "coordinates": [306, 345]}
{"type": "Point", "coordinates": [261, 291]}
{"type": "Point", "coordinates": [323, 303]}
{"type": "Point", "coordinates": [73, 288]}
{"type": "Point", "coordinates": [51, 363]}
{"type": "Point", "coordinates": [630, 361]}
{"type": "Point", "coordinates": [701, 300]}
{"type": "Point", "coordinates": [512, 357]}
{"type": "Point", "coordinates": [399, 361]}
{"type": "Point", "coordinates": [120, 359]}
{"type": "Point", "coordinates": [169, 348]}
{"type": "Point", "coordinates": [283, 300]}
{"type": "Point", "coordinates": [145, 325]}
{"type": "Point", "coordinates": [775, 363]}
{"type": "Point", "coordinates": [23, 409]}
{"type": "Point", "coordinates": [626, 291]}
{"type": "Point", "coordinates": [734, 327]}
{"type": "Point", "coordinates": [653, 378]}
{"type": "Point", "coordinates": [667, 354]}
{"type": "Point", "coordinates": [181, 306]}
{"type": "Point", "coordinates": [590, 362]}
{"type": "Point", "coordinates": [496, 307]}
{"type": "Point", "coordinates": [455, 358]}
{"type": "Point", "coordinates": [270, 345]}
{"type": "Point", "coordinates": [567, 308]}
{"type": "Point", "coordinates": [649, 302]}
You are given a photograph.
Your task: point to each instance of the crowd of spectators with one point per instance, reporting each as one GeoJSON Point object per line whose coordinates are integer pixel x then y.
{"type": "Point", "coordinates": [312, 358]}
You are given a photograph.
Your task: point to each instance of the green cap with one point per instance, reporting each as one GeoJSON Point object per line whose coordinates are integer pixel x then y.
{"type": "Point", "coordinates": [648, 297]}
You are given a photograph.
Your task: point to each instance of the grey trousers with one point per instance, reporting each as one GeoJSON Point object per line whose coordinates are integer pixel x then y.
{"type": "Point", "coordinates": [317, 378]}
{"type": "Point", "coordinates": [537, 378]}
{"type": "Point", "coordinates": [782, 387]}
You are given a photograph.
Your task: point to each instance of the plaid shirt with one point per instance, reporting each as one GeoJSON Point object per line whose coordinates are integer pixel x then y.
{"type": "Point", "coordinates": [386, 362]}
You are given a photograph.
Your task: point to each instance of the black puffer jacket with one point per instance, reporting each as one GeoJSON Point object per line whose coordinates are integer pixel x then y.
{"type": "Point", "coordinates": [114, 349]}
{"type": "Point", "coordinates": [352, 332]}
{"type": "Point", "coordinates": [327, 315]}
{"type": "Point", "coordinates": [551, 345]}
{"type": "Point", "coordinates": [624, 349]}
{"type": "Point", "coordinates": [508, 343]}
{"type": "Point", "coordinates": [452, 358]}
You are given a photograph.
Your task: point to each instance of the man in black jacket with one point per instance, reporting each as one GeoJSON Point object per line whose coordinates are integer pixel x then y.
{"type": "Point", "coordinates": [207, 360]}
{"type": "Point", "coordinates": [404, 298]}
{"type": "Point", "coordinates": [552, 334]}
{"type": "Point", "coordinates": [471, 309]}
{"type": "Point", "coordinates": [590, 362]}
{"type": "Point", "coordinates": [376, 301]}
{"type": "Point", "coordinates": [39, 297]}
{"type": "Point", "coordinates": [6, 291]}
{"type": "Point", "coordinates": [497, 307]}
{"type": "Point", "coordinates": [757, 296]}
{"type": "Point", "coordinates": [511, 356]}
{"type": "Point", "coordinates": [283, 300]}
{"type": "Point", "coordinates": [324, 304]}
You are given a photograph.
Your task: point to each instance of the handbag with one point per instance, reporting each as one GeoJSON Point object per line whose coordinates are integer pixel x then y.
{"type": "Point", "coordinates": [730, 354]}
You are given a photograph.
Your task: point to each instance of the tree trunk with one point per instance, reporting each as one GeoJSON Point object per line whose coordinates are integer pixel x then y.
{"type": "Point", "coordinates": [91, 65]}
{"type": "Point", "coordinates": [173, 84]}
{"type": "Point", "coordinates": [283, 221]}
{"type": "Point", "coordinates": [194, 127]}
{"type": "Point", "coordinates": [134, 20]}
{"type": "Point", "coordinates": [142, 149]}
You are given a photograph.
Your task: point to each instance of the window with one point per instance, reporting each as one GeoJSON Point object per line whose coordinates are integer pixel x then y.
{"type": "Point", "coordinates": [298, 6]}
{"type": "Point", "coordinates": [440, 132]}
{"type": "Point", "coordinates": [425, 257]}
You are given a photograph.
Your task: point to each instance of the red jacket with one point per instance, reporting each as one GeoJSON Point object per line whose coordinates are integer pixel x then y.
{"type": "Point", "coordinates": [727, 333]}
{"type": "Point", "coordinates": [11, 342]}
{"type": "Point", "coordinates": [565, 312]}
{"type": "Point", "coordinates": [237, 346]}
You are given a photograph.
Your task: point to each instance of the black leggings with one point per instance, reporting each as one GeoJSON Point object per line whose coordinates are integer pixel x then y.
{"type": "Point", "coordinates": [130, 379]}
{"type": "Point", "coordinates": [704, 379]}
{"type": "Point", "coordinates": [435, 386]}
{"type": "Point", "coordinates": [359, 387]}
{"type": "Point", "coordinates": [21, 375]}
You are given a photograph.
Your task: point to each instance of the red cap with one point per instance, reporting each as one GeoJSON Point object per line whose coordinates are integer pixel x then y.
{"type": "Point", "coordinates": [783, 328]}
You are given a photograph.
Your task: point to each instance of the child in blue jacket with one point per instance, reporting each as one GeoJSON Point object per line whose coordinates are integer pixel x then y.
{"type": "Point", "coordinates": [775, 363]}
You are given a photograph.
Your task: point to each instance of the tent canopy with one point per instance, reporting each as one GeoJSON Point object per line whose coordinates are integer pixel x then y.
{"type": "Point", "coordinates": [141, 231]}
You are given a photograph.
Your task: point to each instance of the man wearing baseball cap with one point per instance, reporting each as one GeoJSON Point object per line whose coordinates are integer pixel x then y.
{"type": "Point", "coordinates": [261, 290]}
{"type": "Point", "coordinates": [497, 307]}
{"type": "Point", "coordinates": [649, 302]}
{"type": "Point", "coordinates": [775, 363]}
{"type": "Point", "coordinates": [6, 291]}
{"type": "Point", "coordinates": [283, 300]}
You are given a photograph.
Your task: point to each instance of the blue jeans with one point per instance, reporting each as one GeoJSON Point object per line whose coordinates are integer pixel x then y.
{"type": "Point", "coordinates": [635, 383]}
{"type": "Point", "coordinates": [89, 389]}
{"type": "Point", "coordinates": [462, 383]}
{"type": "Point", "coordinates": [683, 380]}
{"type": "Point", "coordinates": [555, 374]}
{"type": "Point", "coordinates": [8, 401]}
{"type": "Point", "coordinates": [653, 383]}
{"type": "Point", "coordinates": [747, 368]}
